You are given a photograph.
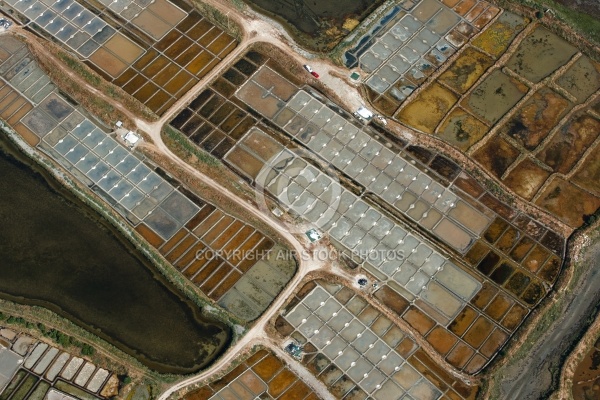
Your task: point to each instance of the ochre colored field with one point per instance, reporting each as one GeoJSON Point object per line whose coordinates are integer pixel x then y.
{"type": "Point", "coordinates": [427, 110]}
{"type": "Point", "coordinates": [586, 380]}
{"type": "Point", "coordinates": [496, 155]}
{"type": "Point", "coordinates": [526, 178]}
{"type": "Point", "coordinates": [495, 39]}
{"type": "Point", "coordinates": [465, 71]}
{"type": "Point", "coordinates": [262, 375]}
{"type": "Point", "coordinates": [534, 120]}
{"type": "Point", "coordinates": [568, 202]}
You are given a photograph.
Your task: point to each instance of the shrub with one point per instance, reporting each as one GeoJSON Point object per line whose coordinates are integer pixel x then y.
{"type": "Point", "coordinates": [87, 350]}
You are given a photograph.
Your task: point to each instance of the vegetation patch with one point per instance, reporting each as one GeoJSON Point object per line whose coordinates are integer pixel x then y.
{"type": "Point", "coordinates": [584, 23]}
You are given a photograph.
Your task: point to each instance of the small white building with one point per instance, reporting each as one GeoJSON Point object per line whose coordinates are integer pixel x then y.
{"type": "Point", "coordinates": [131, 138]}
{"type": "Point", "coordinates": [313, 235]}
{"type": "Point", "coordinates": [363, 114]}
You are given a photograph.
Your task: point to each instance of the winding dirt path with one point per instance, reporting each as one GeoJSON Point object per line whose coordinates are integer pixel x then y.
{"type": "Point", "coordinates": [257, 334]}
{"type": "Point", "coordinates": [255, 28]}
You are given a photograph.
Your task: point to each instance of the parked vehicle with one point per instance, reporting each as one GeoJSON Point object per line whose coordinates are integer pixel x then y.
{"type": "Point", "coordinates": [311, 71]}
{"type": "Point", "coordinates": [4, 23]}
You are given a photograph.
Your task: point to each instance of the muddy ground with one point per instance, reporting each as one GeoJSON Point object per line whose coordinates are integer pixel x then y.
{"type": "Point", "coordinates": [536, 376]}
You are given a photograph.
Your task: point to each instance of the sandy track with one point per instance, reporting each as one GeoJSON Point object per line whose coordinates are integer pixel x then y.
{"type": "Point", "coordinates": [255, 29]}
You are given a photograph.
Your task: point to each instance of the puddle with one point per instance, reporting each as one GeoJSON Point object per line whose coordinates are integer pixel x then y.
{"type": "Point", "coordinates": [517, 283]}
{"type": "Point", "coordinates": [461, 129]}
{"type": "Point", "coordinates": [582, 79]}
{"type": "Point", "coordinates": [245, 66]}
{"type": "Point", "coordinates": [113, 277]}
{"type": "Point", "coordinates": [534, 293]}
{"type": "Point", "coordinates": [317, 25]}
{"type": "Point", "coordinates": [446, 168]}
{"type": "Point", "coordinates": [488, 263]}
{"type": "Point", "coordinates": [586, 380]}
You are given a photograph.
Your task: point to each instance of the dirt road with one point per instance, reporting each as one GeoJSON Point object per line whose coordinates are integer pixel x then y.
{"type": "Point", "coordinates": [256, 335]}
{"type": "Point", "coordinates": [528, 379]}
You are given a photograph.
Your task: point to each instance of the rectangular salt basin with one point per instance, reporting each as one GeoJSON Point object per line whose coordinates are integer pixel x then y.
{"type": "Point", "coordinates": [69, 372]}
{"type": "Point", "coordinates": [35, 355]}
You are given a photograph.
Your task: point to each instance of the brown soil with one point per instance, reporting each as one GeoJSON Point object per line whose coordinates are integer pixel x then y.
{"type": "Point", "coordinates": [460, 355]}
{"type": "Point", "coordinates": [462, 322]}
{"type": "Point", "coordinates": [478, 332]}
{"type": "Point", "coordinates": [476, 253]}
{"type": "Point", "coordinates": [514, 317]}
{"type": "Point", "coordinates": [538, 115]}
{"type": "Point", "coordinates": [588, 174]}
{"type": "Point", "coordinates": [493, 343]}
{"type": "Point", "coordinates": [441, 340]}
{"type": "Point", "coordinates": [550, 271]}
{"type": "Point", "coordinates": [484, 296]}
{"type": "Point", "coordinates": [495, 230]}
{"type": "Point", "coordinates": [526, 178]}
{"type": "Point", "coordinates": [499, 306]}
{"type": "Point", "coordinates": [568, 202]}
{"type": "Point", "coordinates": [570, 142]}
{"type": "Point", "coordinates": [497, 155]}
{"type": "Point", "coordinates": [281, 382]}
{"type": "Point", "coordinates": [521, 249]}
{"type": "Point", "coordinates": [418, 320]}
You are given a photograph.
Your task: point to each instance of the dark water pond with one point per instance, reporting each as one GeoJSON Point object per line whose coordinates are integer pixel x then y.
{"type": "Point", "coordinates": [57, 252]}
{"type": "Point", "coordinates": [317, 25]}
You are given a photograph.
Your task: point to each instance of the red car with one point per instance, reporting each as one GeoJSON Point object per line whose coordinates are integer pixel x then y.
{"type": "Point", "coordinates": [309, 69]}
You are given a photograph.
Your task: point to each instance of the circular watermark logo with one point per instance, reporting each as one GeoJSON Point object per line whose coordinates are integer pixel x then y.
{"type": "Point", "coordinates": [292, 180]}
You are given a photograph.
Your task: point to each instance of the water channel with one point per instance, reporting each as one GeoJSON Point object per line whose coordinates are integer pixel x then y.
{"type": "Point", "coordinates": [58, 253]}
